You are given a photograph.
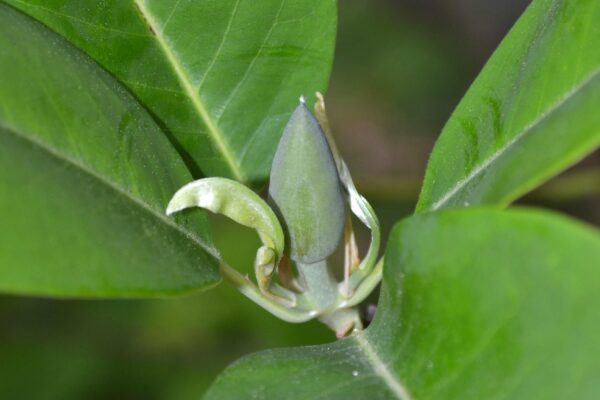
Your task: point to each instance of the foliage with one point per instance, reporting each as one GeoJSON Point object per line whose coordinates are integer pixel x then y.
{"type": "Point", "coordinates": [529, 114]}
{"type": "Point", "coordinates": [112, 146]}
{"type": "Point", "coordinates": [106, 111]}
{"type": "Point", "coordinates": [459, 322]}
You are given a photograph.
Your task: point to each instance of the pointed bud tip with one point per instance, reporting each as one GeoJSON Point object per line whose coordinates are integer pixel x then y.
{"type": "Point", "coordinates": [302, 100]}
{"type": "Point", "coordinates": [305, 189]}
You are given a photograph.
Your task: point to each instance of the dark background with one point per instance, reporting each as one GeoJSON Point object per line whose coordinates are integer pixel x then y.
{"type": "Point", "coordinates": [400, 69]}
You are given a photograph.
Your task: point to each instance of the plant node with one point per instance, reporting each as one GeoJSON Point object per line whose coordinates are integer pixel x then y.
{"type": "Point", "coordinates": [311, 200]}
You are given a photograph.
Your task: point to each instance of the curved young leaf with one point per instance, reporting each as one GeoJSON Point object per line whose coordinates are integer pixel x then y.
{"type": "Point", "coordinates": [235, 201]}
{"type": "Point", "coordinates": [475, 304]}
{"type": "Point", "coordinates": [85, 175]}
{"type": "Point", "coordinates": [532, 111]}
{"type": "Point", "coordinates": [221, 76]}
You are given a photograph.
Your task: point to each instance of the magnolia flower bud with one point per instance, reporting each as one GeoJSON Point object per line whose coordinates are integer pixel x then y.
{"type": "Point", "coordinates": [305, 189]}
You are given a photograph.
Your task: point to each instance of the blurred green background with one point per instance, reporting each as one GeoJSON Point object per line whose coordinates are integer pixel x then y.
{"type": "Point", "coordinates": [401, 66]}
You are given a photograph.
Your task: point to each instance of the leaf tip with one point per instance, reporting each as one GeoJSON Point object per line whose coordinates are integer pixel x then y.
{"type": "Point", "coordinates": [171, 207]}
{"type": "Point", "coordinates": [179, 201]}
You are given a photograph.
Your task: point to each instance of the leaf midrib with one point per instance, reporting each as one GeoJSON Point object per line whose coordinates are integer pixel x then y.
{"type": "Point", "coordinates": [381, 369]}
{"type": "Point", "coordinates": [104, 181]}
{"type": "Point", "coordinates": [516, 138]}
{"type": "Point", "coordinates": [213, 130]}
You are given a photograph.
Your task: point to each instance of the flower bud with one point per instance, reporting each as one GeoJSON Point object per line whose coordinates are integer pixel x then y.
{"type": "Point", "coordinates": [305, 189]}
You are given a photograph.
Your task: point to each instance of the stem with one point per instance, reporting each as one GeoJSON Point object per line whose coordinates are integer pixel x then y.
{"type": "Point", "coordinates": [366, 286]}
{"type": "Point", "coordinates": [250, 290]}
{"type": "Point", "coordinates": [320, 286]}
{"type": "Point", "coordinates": [343, 321]}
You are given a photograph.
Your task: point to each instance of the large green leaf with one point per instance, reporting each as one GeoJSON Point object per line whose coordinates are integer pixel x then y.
{"type": "Point", "coordinates": [476, 304]}
{"type": "Point", "coordinates": [532, 111]}
{"type": "Point", "coordinates": [222, 76]}
{"type": "Point", "coordinates": [85, 176]}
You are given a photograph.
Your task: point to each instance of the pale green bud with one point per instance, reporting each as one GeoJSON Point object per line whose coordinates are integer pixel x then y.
{"type": "Point", "coordinates": [305, 189]}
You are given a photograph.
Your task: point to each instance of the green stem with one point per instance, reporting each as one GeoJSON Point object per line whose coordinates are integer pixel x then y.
{"type": "Point", "coordinates": [366, 286]}
{"type": "Point", "coordinates": [320, 286]}
{"type": "Point", "coordinates": [250, 290]}
{"type": "Point", "coordinates": [343, 321]}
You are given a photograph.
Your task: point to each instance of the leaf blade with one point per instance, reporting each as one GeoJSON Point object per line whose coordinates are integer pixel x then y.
{"type": "Point", "coordinates": [458, 324]}
{"type": "Point", "coordinates": [538, 91]}
{"type": "Point", "coordinates": [221, 77]}
{"type": "Point", "coordinates": [191, 92]}
{"type": "Point", "coordinates": [65, 122]}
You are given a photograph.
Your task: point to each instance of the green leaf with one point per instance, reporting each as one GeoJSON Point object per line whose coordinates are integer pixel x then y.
{"type": "Point", "coordinates": [305, 189]}
{"type": "Point", "coordinates": [475, 304]}
{"type": "Point", "coordinates": [235, 201]}
{"type": "Point", "coordinates": [221, 76]}
{"type": "Point", "coordinates": [532, 112]}
{"type": "Point", "coordinates": [85, 175]}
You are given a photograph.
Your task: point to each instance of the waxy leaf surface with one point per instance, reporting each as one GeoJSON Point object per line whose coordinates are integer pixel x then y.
{"type": "Point", "coordinates": [221, 76]}
{"type": "Point", "coordinates": [475, 304]}
{"type": "Point", "coordinates": [532, 111]}
{"type": "Point", "coordinates": [85, 176]}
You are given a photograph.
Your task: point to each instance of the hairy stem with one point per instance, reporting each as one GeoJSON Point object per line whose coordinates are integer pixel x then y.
{"type": "Point", "coordinates": [319, 284]}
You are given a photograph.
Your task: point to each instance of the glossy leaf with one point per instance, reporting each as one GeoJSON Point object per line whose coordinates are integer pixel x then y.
{"type": "Point", "coordinates": [85, 175]}
{"type": "Point", "coordinates": [221, 76]}
{"type": "Point", "coordinates": [475, 304]}
{"type": "Point", "coordinates": [305, 189]}
{"type": "Point", "coordinates": [532, 111]}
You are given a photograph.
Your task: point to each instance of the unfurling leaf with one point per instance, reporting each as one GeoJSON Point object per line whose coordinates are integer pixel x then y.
{"type": "Point", "coordinates": [235, 201]}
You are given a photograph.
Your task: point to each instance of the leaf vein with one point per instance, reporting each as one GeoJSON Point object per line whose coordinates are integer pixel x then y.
{"type": "Point", "coordinates": [220, 48]}
{"type": "Point", "coordinates": [82, 167]}
{"type": "Point", "coordinates": [252, 62]}
{"type": "Point", "coordinates": [381, 369]}
{"type": "Point", "coordinates": [517, 138]}
{"type": "Point", "coordinates": [81, 20]}
{"type": "Point", "coordinates": [213, 130]}
{"type": "Point", "coordinates": [164, 27]}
